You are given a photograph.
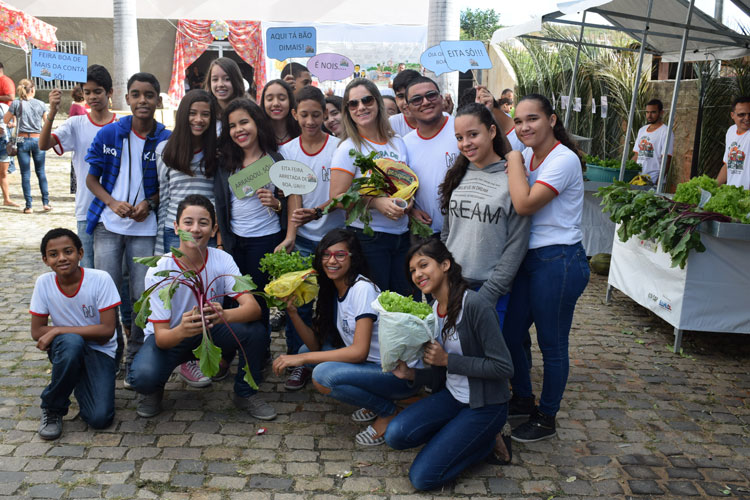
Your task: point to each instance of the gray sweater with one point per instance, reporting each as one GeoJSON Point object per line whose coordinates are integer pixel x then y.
{"type": "Point", "coordinates": [483, 231]}
{"type": "Point", "coordinates": [485, 360]}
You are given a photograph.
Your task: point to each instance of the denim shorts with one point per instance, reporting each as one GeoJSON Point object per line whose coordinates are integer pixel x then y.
{"type": "Point", "coordinates": [3, 152]}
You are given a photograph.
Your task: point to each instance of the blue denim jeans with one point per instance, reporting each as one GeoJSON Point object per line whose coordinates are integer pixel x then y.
{"type": "Point", "coordinates": [363, 384]}
{"type": "Point", "coordinates": [109, 250]}
{"type": "Point", "coordinates": [545, 292]}
{"type": "Point", "coordinates": [247, 253]}
{"type": "Point", "coordinates": [456, 436]}
{"type": "Point", "coordinates": [152, 365]}
{"type": "Point", "coordinates": [88, 244]}
{"type": "Point", "coordinates": [386, 257]}
{"type": "Point", "coordinates": [28, 150]}
{"type": "Point", "coordinates": [293, 341]}
{"type": "Point", "coordinates": [89, 374]}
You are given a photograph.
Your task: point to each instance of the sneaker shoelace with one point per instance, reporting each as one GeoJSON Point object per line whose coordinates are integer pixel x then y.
{"type": "Point", "coordinates": [297, 373]}
{"type": "Point", "coordinates": [50, 418]}
{"type": "Point", "coordinates": [194, 370]}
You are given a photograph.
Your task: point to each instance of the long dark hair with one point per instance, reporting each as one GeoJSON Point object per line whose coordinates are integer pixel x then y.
{"type": "Point", "coordinates": [324, 319]}
{"type": "Point", "coordinates": [435, 249]}
{"type": "Point", "coordinates": [233, 71]}
{"type": "Point", "coordinates": [292, 127]}
{"type": "Point", "coordinates": [232, 155]}
{"type": "Point", "coordinates": [559, 129]}
{"type": "Point", "coordinates": [178, 152]}
{"type": "Point", "coordinates": [500, 145]}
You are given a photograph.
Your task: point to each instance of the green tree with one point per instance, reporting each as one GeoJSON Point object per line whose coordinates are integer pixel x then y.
{"type": "Point", "coordinates": [479, 24]}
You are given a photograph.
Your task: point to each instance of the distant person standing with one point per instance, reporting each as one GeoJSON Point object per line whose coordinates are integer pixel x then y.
{"type": "Point", "coordinates": [7, 87]}
{"type": "Point", "coordinates": [296, 75]}
{"type": "Point", "coordinates": [77, 107]}
{"type": "Point", "coordinates": [511, 96]}
{"type": "Point", "coordinates": [652, 142]}
{"type": "Point", "coordinates": [30, 115]}
{"type": "Point", "coordinates": [736, 171]}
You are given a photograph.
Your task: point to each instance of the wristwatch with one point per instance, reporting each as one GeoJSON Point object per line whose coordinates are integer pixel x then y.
{"type": "Point", "coordinates": [318, 213]}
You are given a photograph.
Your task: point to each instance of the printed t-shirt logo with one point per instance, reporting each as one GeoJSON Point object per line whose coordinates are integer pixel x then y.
{"type": "Point", "coordinates": [645, 148]}
{"type": "Point", "coordinates": [736, 157]}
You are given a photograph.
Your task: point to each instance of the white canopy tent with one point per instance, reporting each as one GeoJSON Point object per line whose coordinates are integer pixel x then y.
{"type": "Point", "coordinates": [674, 29]}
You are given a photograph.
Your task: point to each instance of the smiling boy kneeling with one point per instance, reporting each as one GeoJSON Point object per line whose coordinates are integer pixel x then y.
{"type": "Point", "coordinates": [172, 334]}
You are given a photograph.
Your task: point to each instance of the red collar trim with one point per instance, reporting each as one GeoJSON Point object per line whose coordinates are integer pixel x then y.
{"type": "Point", "coordinates": [176, 261]}
{"type": "Point", "coordinates": [510, 131]}
{"type": "Point", "coordinates": [409, 124]}
{"type": "Point", "coordinates": [114, 117]}
{"type": "Point", "coordinates": [436, 133]}
{"type": "Point", "coordinates": [374, 142]}
{"type": "Point", "coordinates": [77, 289]}
{"type": "Point", "coordinates": [441, 315]}
{"type": "Point", "coordinates": [137, 134]}
{"type": "Point", "coordinates": [302, 147]}
{"type": "Point", "coordinates": [531, 164]}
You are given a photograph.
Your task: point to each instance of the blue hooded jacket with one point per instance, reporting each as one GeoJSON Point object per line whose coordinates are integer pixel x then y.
{"type": "Point", "coordinates": [104, 156]}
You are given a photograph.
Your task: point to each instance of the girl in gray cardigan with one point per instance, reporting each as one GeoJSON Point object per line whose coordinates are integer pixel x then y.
{"type": "Point", "coordinates": [469, 371]}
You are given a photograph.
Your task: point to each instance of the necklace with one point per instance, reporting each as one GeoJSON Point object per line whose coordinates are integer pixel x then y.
{"type": "Point", "coordinates": [279, 140]}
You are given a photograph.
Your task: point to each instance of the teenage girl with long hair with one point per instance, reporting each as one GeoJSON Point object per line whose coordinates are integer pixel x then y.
{"type": "Point", "coordinates": [343, 340]}
{"type": "Point", "coordinates": [224, 82]}
{"type": "Point", "coordinates": [469, 368]}
{"type": "Point", "coordinates": [333, 119]}
{"type": "Point", "coordinates": [546, 183]}
{"type": "Point", "coordinates": [367, 129]}
{"type": "Point", "coordinates": [278, 102]}
{"type": "Point", "coordinates": [481, 229]}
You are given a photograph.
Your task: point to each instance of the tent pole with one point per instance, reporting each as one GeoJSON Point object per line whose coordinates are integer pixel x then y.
{"type": "Point", "coordinates": [575, 73]}
{"type": "Point", "coordinates": [634, 99]}
{"type": "Point", "coordinates": [673, 106]}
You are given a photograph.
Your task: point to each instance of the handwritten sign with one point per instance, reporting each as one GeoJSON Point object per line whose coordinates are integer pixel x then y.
{"type": "Point", "coordinates": [293, 177]}
{"type": "Point", "coordinates": [251, 178]}
{"type": "Point", "coordinates": [465, 55]}
{"type": "Point", "coordinates": [329, 66]}
{"type": "Point", "coordinates": [49, 65]}
{"type": "Point", "coordinates": [434, 60]}
{"type": "Point", "coordinates": [283, 43]}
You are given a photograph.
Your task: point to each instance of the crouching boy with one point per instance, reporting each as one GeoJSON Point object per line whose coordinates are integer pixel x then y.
{"type": "Point", "coordinates": [81, 345]}
{"type": "Point", "coordinates": [172, 333]}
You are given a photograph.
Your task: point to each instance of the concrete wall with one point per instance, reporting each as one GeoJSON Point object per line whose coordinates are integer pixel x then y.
{"type": "Point", "coordinates": [155, 41]}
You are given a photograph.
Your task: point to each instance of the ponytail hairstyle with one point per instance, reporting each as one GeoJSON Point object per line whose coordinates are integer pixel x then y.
{"type": "Point", "coordinates": [435, 249]}
{"type": "Point", "coordinates": [291, 125]}
{"type": "Point", "coordinates": [500, 145]}
{"type": "Point", "coordinates": [231, 155]}
{"type": "Point", "coordinates": [24, 88]}
{"type": "Point", "coordinates": [178, 152]}
{"type": "Point", "coordinates": [324, 319]}
{"type": "Point", "coordinates": [559, 129]}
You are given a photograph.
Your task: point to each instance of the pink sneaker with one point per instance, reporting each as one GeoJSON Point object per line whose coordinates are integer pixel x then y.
{"type": "Point", "coordinates": [191, 373]}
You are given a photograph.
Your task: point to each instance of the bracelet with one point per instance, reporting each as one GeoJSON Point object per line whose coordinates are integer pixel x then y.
{"type": "Point", "coordinates": [277, 210]}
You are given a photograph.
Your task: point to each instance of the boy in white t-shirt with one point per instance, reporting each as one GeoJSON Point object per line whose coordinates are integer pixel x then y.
{"type": "Point", "coordinates": [174, 331]}
{"type": "Point", "coordinates": [76, 135]}
{"type": "Point", "coordinates": [736, 170]}
{"type": "Point", "coordinates": [654, 139]}
{"type": "Point", "coordinates": [315, 149]}
{"type": "Point", "coordinates": [81, 345]}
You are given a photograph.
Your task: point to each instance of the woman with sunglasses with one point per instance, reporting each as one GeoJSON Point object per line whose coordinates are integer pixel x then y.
{"type": "Point", "coordinates": [343, 340]}
{"type": "Point", "coordinates": [367, 129]}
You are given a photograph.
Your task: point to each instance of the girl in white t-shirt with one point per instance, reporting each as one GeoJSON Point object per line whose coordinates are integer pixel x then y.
{"type": "Point", "coordinates": [343, 340]}
{"type": "Point", "coordinates": [224, 82]}
{"type": "Point", "coordinates": [333, 116]}
{"type": "Point", "coordinates": [554, 272]}
{"type": "Point", "coordinates": [367, 129]}
{"type": "Point", "coordinates": [278, 102]}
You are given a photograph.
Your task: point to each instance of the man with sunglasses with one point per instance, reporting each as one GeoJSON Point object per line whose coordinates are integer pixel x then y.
{"type": "Point", "coordinates": [432, 147]}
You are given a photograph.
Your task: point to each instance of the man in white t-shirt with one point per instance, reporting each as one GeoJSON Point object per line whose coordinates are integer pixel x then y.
{"type": "Point", "coordinates": [654, 139]}
{"type": "Point", "coordinates": [76, 135]}
{"type": "Point", "coordinates": [403, 123]}
{"type": "Point", "coordinates": [736, 171]}
{"type": "Point", "coordinates": [81, 345]}
{"type": "Point", "coordinates": [432, 148]}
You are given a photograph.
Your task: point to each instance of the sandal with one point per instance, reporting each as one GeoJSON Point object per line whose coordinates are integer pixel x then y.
{"type": "Point", "coordinates": [504, 457]}
{"type": "Point", "coordinates": [27, 210]}
{"type": "Point", "coordinates": [47, 208]}
{"type": "Point", "coordinates": [363, 415]}
{"type": "Point", "coordinates": [369, 437]}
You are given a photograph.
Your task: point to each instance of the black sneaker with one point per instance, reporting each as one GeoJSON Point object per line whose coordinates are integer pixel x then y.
{"type": "Point", "coordinates": [51, 425]}
{"type": "Point", "coordinates": [277, 319]}
{"type": "Point", "coordinates": [521, 407]}
{"type": "Point", "coordinates": [538, 427]}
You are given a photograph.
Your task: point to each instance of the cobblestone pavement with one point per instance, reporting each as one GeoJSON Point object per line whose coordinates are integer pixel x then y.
{"type": "Point", "coordinates": [637, 421]}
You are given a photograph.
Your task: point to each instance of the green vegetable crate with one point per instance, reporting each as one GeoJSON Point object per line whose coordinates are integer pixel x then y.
{"type": "Point", "coordinates": [598, 173]}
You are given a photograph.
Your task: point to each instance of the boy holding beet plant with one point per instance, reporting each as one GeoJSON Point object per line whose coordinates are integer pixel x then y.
{"type": "Point", "coordinates": [175, 327]}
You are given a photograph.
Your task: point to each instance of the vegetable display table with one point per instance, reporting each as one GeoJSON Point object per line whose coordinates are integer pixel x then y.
{"type": "Point", "coordinates": [597, 229]}
{"type": "Point", "coordinates": [712, 292]}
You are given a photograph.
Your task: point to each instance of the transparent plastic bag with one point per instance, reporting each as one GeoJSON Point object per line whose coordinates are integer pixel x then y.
{"type": "Point", "coordinates": [402, 336]}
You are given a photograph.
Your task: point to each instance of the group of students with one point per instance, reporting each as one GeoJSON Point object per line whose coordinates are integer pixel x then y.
{"type": "Point", "coordinates": [506, 253]}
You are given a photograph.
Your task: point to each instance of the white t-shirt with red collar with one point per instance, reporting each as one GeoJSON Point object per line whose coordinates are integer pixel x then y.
{"type": "Point", "coordinates": [320, 163]}
{"type": "Point", "coordinates": [96, 293]}
{"type": "Point", "coordinates": [76, 134]}
{"type": "Point", "coordinates": [400, 125]}
{"type": "Point", "coordinates": [650, 147]}
{"type": "Point", "coordinates": [430, 158]}
{"type": "Point", "coordinates": [217, 263]}
{"type": "Point", "coordinates": [559, 221]}
{"type": "Point", "coordinates": [736, 151]}
{"type": "Point", "coordinates": [515, 142]}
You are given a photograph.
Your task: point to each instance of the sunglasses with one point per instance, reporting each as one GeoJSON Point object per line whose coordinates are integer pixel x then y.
{"type": "Point", "coordinates": [339, 255]}
{"type": "Point", "coordinates": [366, 100]}
{"type": "Point", "coordinates": [431, 96]}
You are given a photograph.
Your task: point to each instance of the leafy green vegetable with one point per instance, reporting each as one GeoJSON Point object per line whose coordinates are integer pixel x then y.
{"type": "Point", "coordinates": [690, 191]}
{"type": "Point", "coordinates": [611, 163]}
{"type": "Point", "coordinates": [729, 200]}
{"type": "Point", "coordinates": [209, 355]}
{"type": "Point", "coordinates": [151, 261]}
{"type": "Point", "coordinates": [393, 302]}
{"type": "Point", "coordinates": [280, 263]}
